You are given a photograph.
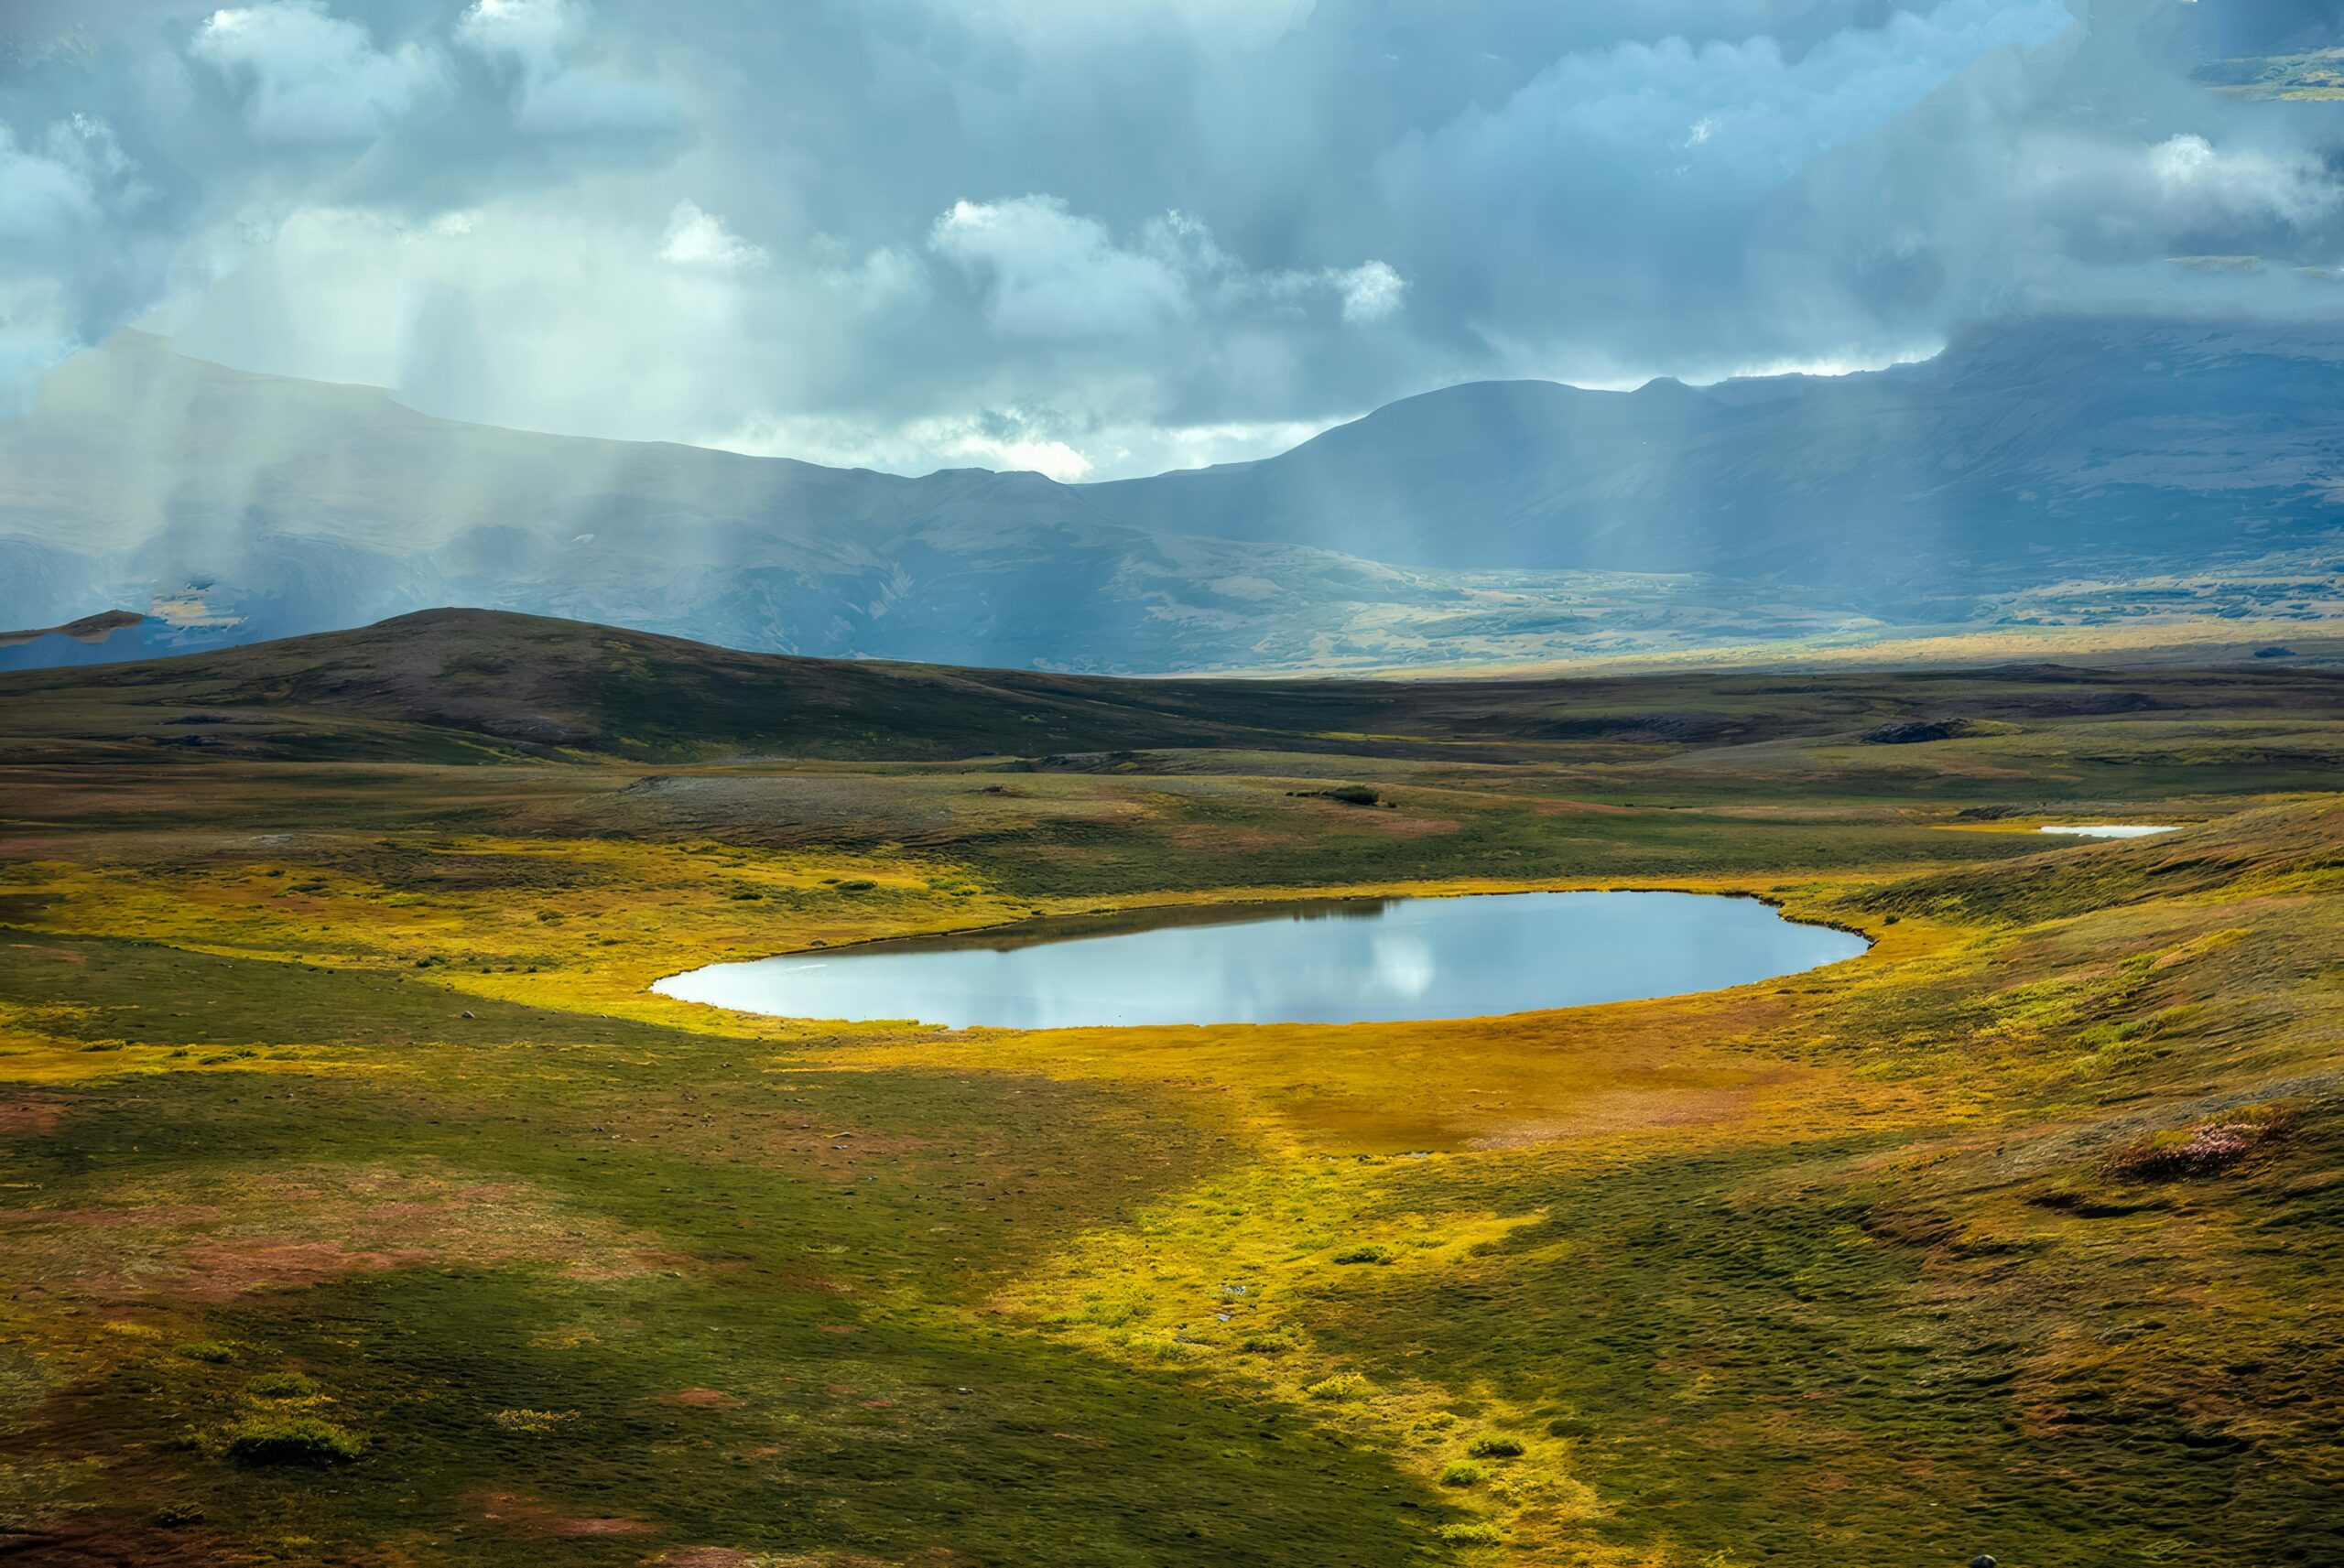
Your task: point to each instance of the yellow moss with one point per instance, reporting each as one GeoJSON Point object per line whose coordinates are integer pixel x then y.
{"type": "Point", "coordinates": [1249, 1255]}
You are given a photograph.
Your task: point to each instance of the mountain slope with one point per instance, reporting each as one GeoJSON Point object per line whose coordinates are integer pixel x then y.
{"type": "Point", "coordinates": [248, 506]}
{"type": "Point", "coordinates": [2025, 453]}
{"type": "Point", "coordinates": [2038, 471]}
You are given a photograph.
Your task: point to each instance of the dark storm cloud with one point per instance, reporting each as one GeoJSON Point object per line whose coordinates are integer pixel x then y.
{"type": "Point", "coordinates": [1106, 238]}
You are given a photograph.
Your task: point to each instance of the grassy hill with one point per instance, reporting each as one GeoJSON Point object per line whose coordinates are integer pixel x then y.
{"type": "Point", "coordinates": [464, 684]}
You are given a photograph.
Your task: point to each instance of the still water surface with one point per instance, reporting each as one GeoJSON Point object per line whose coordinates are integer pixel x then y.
{"type": "Point", "coordinates": [2108, 830]}
{"type": "Point", "coordinates": [1327, 961]}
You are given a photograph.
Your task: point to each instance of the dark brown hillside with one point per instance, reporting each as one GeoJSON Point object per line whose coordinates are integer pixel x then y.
{"type": "Point", "coordinates": [466, 684]}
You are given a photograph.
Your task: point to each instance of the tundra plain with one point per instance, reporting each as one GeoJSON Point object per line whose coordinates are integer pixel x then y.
{"type": "Point", "coordinates": [359, 1204]}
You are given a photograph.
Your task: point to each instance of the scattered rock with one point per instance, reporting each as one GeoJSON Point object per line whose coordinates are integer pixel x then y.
{"type": "Point", "coordinates": [2207, 1149]}
{"type": "Point", "coordinates": [1350, 794]}
{"type": "Point", "coordinates": [1912, 731]}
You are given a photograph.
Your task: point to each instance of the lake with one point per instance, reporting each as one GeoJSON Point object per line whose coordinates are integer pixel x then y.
{"type": "Point", "coordinates": [1322, 961]}
{"type": "Point", "coordinates": [2108, 830]}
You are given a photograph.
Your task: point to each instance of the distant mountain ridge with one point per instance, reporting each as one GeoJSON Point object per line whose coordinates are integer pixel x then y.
{"type": "Point", "coordinates": [108, 637]}
{"type": "Point", "coordinates": [1495, 521]}
{"type": "Point", "coordinates": [2023, 453]}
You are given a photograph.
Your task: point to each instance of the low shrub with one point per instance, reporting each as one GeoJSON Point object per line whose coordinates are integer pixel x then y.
{"type": "Point", "coordinates": [1495, 1445]}
{"type": "Point", "coordinates": [209, 1351]}
{"type": "Point", "coordinates": [857, 884]}
{"type": "Point", "coordinates": [1115, 1310]}
{"type": "Point", "coordinates": [295, 1441]}
{"type": "Point", "coordinates": [1461, 1473]}
{"type": "Point", "coordinates": [532, 1421]}
{"type": "Point", "coordinates": [1342, 1388]}
{"type": "Point", "coordinates": [1470, 1535]}
{"type": "Point", "coordinates": [1367, 1252]}
{"type": "Point", "coordinates": [281, 1386]}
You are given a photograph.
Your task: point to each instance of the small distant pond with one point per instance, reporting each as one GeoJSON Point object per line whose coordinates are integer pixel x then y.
{"type": "Point", "coordinates": [1324, 961]}
{"type": "Point", "coordinates": [2107, 831]}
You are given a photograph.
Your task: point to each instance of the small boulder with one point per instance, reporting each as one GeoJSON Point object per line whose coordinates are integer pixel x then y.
{"type": "Point", "coordinates": [1912, 731]}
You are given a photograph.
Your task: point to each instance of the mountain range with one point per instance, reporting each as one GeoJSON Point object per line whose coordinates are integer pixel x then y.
{"type": "Point", "coordinates": [2075, 469]}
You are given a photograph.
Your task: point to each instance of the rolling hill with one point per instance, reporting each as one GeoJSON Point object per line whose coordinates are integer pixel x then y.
{"type": "Point", "coordinates": [476, 685]}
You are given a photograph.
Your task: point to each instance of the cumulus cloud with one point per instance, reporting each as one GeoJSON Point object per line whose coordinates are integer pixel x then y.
{"type": "Point", "coordinates": [1046, 271]}
{"type": "Point", "coordinates": [696, 237]}
{"type": "Point", "coordinates": [2213, 186]}
{"type": "Point", "coordinates": [311, 76]}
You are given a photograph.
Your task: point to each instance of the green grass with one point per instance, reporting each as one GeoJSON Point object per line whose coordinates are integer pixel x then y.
{"type": "Point", "coordinates": [874, 1437]}
{"type": "Point", "coordinates": [332, 1244]}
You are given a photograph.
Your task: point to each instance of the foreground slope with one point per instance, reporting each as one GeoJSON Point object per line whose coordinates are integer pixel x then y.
{"type": "Point", "coordinates": [359, 1204]}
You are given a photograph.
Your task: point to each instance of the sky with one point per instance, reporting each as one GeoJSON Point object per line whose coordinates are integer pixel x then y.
{"type": "Point", "coordinates": [1099, 239]}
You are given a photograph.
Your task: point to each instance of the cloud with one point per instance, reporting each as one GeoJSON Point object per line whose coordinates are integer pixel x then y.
{"type": "Point", "coordinates": [311, 76]}
{"type": "Point", "coordinates": [888, 279]}
{"type": "Point", "coordinates": [1046, 271]}
{"type": "Point", "coordinates": [76, 176]}
{"type": "Point", "coordinates": [1630, 176]}
{"type": "Point", "coordinates": [1371, 292]}
{"type": "Point", "coordinates": [1015, 438]}
{"type": "Point", "coordinates": [698, 238]}
{"type": "Point", "coordinates": [2212, 186]}
{"type": "Point", "coordinates": [532, 34]}
{"type": "Point", "coordinates": [66, 261]}
{"type": "Point", "coordinates": [1095, 239]}
{"type": "Point", "coordinates": [534, 42]}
